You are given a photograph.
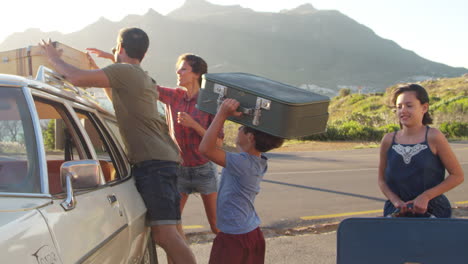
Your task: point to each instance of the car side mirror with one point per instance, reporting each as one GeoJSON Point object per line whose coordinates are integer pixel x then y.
{"type": "Point", "coordinates": [85, 174]}
{"type": "Point", "coordinates": [82, 174]}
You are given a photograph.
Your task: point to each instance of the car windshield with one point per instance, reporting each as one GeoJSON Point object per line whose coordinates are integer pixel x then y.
{"type": "Point", "coordinates": [19, 172]}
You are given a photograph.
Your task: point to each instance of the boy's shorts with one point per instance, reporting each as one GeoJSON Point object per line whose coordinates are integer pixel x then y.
{"type": "Point", "coordinates": [246, 248]}
{"type": "Point", "coordinates": [156, 180]}
{"type": "Point", "coordinates": [199, 179]}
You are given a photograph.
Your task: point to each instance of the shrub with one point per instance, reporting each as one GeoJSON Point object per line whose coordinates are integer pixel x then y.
{"type": "Point", "coordinates": [351, 130]}
{"type": "Point", "coordinates": [454, 129]}
{"type": "Point", "coordinates": [389, 128]}
{"type": "Point", "coordinates": [356, 98]}
{"type": "Point", "coordinates": [365, 119]}
{"type": "Point", "coordinates": [49, 135]}
{"type": "Point", "coordinates": [344, 92]}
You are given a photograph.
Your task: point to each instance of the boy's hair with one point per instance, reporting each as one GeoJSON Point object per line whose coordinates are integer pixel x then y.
{"type": "Point", "coordinates": [199, 65]}
{"type": "Point", "coordinates": [421, 95]}
{"type": "Point", "coordinates": [135, 42]}
{"type": "Point", "coordinates": [263, 141]}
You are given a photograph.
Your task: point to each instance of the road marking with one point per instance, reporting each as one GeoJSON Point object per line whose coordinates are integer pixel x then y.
{"type": "Point", "coordinates": [352, 213]}
{"type": "Point", "coordinates": [321, 216]}
{"type": "Point", "coordinates": [339, 215]}
{"type": "Point", "coordinates": [323, 171]}
{"type": "Point", "coordinates": [309, 172]}
{"type": "Point", "coordinates": [192, 226]}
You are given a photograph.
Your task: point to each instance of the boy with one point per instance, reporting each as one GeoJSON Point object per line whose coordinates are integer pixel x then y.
{"type": "Point", "coordinates": [240, 239]}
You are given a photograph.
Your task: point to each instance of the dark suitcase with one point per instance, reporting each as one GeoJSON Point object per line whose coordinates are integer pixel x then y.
{"type": "Point", "coordinates": [402, 240]}
{"type": "Point", "coordinates": [269, 106]}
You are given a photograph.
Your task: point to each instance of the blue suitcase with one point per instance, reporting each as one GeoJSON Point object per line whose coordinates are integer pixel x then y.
{"type": "Point", "coordinates": [402, 241]}
{"type": "Point", "coordinates": [269, 106]}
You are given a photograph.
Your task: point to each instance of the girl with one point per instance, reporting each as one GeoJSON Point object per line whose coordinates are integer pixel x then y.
{"type": "Point", "coordinates": [413, 160]}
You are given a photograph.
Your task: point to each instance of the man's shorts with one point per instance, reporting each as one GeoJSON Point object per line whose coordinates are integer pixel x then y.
{"type": "Point", "coordinates": [200, 179]}
{"type": "Point", "coordinates": [156, 180]}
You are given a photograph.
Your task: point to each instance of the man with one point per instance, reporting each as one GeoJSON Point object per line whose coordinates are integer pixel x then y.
{"type": "Point", "coordinates": [151, 150]}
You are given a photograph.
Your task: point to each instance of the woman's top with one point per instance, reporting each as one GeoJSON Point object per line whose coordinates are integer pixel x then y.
{"type": "Point", "coordinates": [187, 138]}
{"type": "Point", "coordinates": [413, 169]}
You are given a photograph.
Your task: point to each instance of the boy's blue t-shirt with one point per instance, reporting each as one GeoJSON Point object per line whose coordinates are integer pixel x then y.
{"type": "Point", "coordinates": [240, 183]}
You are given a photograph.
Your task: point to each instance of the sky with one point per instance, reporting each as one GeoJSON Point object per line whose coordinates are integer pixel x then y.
{"type": "Point", "coordinates": [434, 29]}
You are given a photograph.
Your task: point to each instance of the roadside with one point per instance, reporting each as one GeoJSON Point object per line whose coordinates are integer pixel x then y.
{"type": "Point", "coordinates": [296, 145]}
{"type": "Point", "coordinates": [302, 227]}
{"type": "Point", "coordinates": [312, 244]}
{"type": "Point", "coordinates": [301, 241]}
{"type": "Point", "coordinates": [303, 249]}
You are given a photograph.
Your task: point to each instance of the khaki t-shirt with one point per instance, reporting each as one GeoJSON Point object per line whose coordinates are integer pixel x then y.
{"type": "Point", "coordinates": [144, 130]}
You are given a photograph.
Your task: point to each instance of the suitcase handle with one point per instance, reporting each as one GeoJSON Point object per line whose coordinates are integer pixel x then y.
{"type": "Point", "coordinates": [397, 213]}
{"type": "Point", "coordinates": [256, 112]}
{"type": "Point", "coordinates": [243, 110]}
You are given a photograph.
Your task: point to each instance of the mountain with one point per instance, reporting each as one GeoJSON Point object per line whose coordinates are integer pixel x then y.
{"type": "Point", "coordinates": [322, 50]}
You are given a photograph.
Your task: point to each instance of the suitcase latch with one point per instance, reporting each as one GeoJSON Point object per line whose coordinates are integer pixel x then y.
{"type": "Point", "coordinates": [261, 103]}
{"type": "Point", "coordinates": [221, 91]}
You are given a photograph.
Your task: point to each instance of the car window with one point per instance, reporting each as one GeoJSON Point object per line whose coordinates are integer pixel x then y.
{"type": "Point", "coordinates": [163, 111]}
{"type": "Point", "coordinates": [113, 163]}
{"type": "Point", "coordinates": [61, 141]}
{"type": "Point", "coordinates": [116, 132]}
{"type": "Point", "coordinates": [18, 152]}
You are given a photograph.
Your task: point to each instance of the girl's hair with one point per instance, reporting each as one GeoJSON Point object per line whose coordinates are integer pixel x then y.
{"type": "Point", "coordinates": [263, 141]}
{"type": "Point", "coordinates": [421, 95]}
{"type": "Point", "coordinates": [199, 65]}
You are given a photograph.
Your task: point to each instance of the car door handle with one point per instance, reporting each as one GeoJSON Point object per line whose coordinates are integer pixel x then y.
{"type": "Point", "coordinates": [111, 198]}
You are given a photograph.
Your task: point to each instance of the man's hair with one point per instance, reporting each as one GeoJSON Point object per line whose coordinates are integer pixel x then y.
{"type": "Point", "coordinates": [421, 95]}
{"type": "Point", "coordinates": [263, 141]}
{"type": "Point", "coordinates": [135, 42]}
{"type": "Point", "coordinates": [199, 65]}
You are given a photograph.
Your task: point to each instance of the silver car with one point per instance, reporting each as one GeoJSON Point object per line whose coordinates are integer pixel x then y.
{"type": "Point", "coordinates": [67, 194]}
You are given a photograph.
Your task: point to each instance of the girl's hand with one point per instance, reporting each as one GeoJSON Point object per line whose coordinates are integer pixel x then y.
{"type": "Point", "coordinates": [186, 120]}
{"type": "Point", "coordinates": [420, 204]}
{"type": "Point", "coordinates": [402, 206]}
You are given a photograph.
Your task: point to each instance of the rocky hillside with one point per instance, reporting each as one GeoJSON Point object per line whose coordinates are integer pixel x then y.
{"type": "Point", "coordinates": [323, 50]}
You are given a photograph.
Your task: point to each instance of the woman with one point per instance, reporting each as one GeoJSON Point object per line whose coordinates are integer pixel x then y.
{"type": "Point", "coordinates": [413, 160]}
{"type": "Point", "coordinates": [198, 174]}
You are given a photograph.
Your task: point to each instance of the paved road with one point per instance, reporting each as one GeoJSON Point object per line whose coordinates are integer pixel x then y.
{"type": "Point", "coordinates": [304, 249]}
{"type": "Point", "coordinates": [302, 188]}
{"type": "Point", "coordinates": [324, 187]}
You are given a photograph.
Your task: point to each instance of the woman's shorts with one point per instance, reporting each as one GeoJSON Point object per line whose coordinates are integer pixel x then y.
{"type": "Point", "coordinates": [200, 179]}
{"type": "Point", "coordinates": [156, 180]}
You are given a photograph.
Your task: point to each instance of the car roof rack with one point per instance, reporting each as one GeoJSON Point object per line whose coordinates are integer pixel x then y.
{"type": "Point", "coordinates": [48, 76]}
{"type": "Point", "coordinates": [51, 77]}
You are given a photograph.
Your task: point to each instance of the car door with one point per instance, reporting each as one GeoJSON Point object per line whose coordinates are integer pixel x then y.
{"type": "Point", "coordinates": [106, 142]}
{"type": "Point", "coordinates": [24, 235]}
{"type": "Point", "coordinates": [96, 225]}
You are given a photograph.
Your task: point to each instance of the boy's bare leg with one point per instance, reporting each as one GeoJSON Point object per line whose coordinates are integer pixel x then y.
{"type": "Point", "coordinates": [177, 250]}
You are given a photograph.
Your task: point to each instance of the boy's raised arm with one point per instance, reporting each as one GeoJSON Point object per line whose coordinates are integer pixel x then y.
{"type": "Point", "coordinates": [208, 146]}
